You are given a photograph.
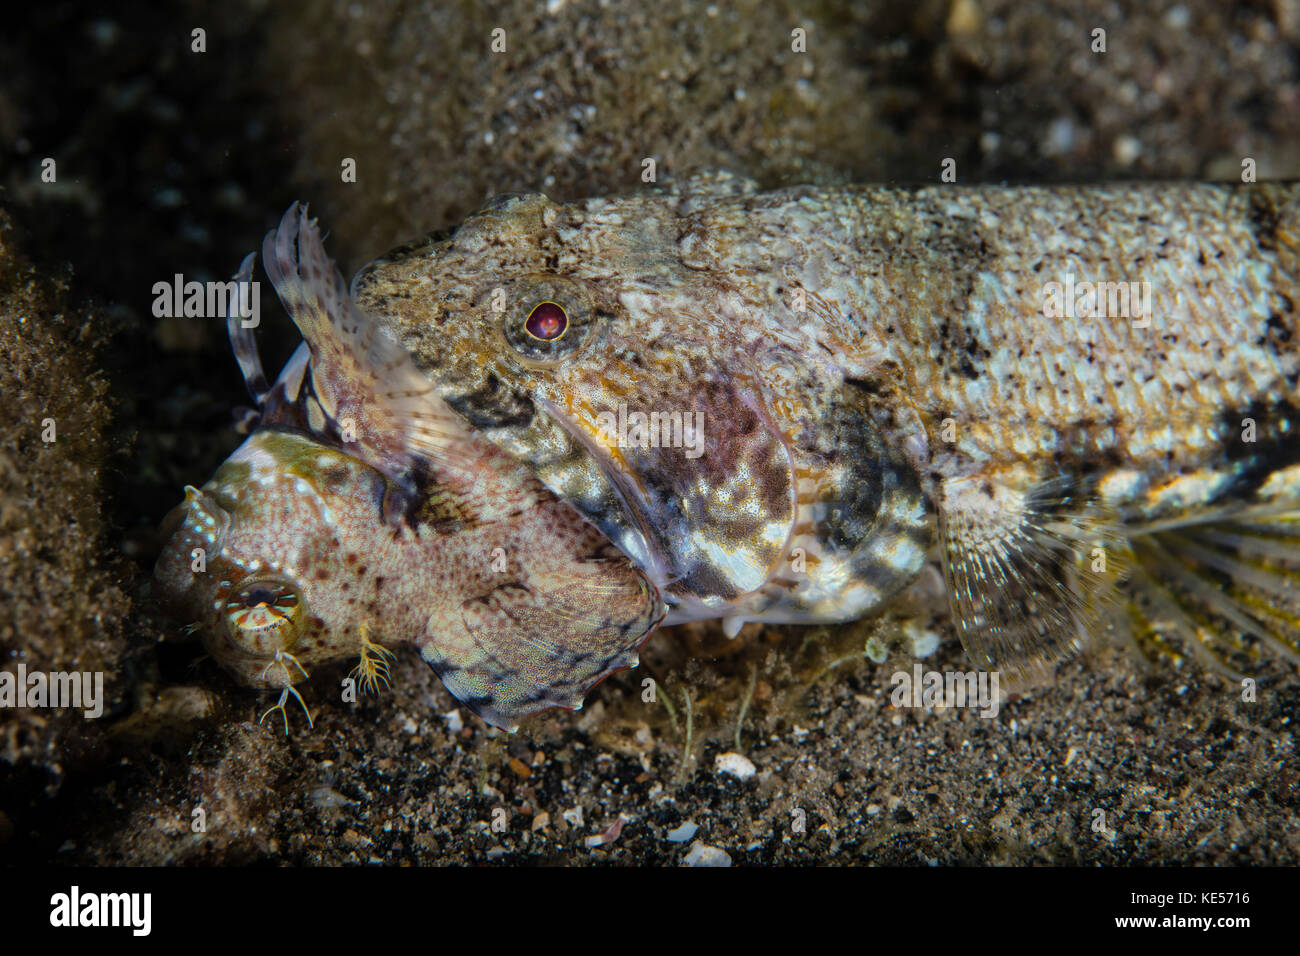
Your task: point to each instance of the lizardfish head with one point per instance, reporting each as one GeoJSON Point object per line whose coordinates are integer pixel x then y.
{"type": "Point", "coordinates": [577, 340]}
{"type": "Point", "coordinates": [249, 562]}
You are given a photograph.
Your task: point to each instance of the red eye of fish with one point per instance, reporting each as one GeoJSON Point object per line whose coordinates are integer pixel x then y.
{"type": "Point", "coordinates": [547, 322]}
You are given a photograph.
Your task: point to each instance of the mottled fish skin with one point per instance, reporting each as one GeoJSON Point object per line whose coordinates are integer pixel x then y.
{"type": "Point", "coordinates": [308, 546]}
{"type": "Point", "coordinates": [881, 369]}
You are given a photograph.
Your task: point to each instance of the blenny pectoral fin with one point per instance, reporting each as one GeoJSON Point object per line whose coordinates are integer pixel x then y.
{"type": "Point", "coordinates": [365, 393]}
{"type": "Point", "coordinates": [1021, 561]}
{"type": "Point", "coordinates": [517, 650]}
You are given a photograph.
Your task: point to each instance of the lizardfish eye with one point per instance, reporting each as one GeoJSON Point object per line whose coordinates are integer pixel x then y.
{"type": "Point", "coordinates": [266, 611]}
{"type": "Point", "coordinates": [547, 322]}
{"type": "Point", "coordinates": [545, 318]}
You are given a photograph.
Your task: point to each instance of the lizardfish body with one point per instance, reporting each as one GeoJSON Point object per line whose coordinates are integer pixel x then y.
{"type": "Point", "coordinates": [782, 404]}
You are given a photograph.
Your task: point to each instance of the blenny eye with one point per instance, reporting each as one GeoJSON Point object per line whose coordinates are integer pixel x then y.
{"type": "Point", "coordinates": [265, 612]}
{"type": "Point", "coordinates": [547, 322]}
{"type": "Point", "coordinates": [544, 318]}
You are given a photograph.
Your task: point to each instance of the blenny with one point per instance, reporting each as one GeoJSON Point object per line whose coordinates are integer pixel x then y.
{"type": "Point", "coordinates": [1080, 401]}
{"type": "Point", "coordinates": [361, 514]}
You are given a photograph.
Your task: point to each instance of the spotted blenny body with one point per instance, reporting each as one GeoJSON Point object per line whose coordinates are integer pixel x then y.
{"type": "Point", "coordinates": [1080, 402]}
{"type": "Point", "coordinates": [361, 515]}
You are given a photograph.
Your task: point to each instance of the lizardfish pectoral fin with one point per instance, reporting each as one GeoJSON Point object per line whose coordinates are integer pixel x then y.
{"type": "Point", "coordinates": [1026, 567]}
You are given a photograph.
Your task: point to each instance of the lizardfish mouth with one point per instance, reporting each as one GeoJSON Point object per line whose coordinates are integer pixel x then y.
{"type": "Point", "coordinates": [194, 532]}
{"type": "Point", "coordinates": [592, 474]}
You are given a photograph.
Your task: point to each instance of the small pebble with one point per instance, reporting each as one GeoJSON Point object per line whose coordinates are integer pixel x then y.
{"type": "Point", "coordinates": [964, 18]}
{"type": "Point", "coordinates": [923, 640]}
{"type": "Point", "coordinates": [738, 765]}
{"type": "Point", "coordinates": [683, 833]}
{"type": "Point", "coordinates": [325, 797]}
{"type": "Point", "coordinates": [1178, 17]}
{"type": "Point", "coordinates": [1061, 137]}
{"type": "Point", "coordinates": [609, 836]}
{"type": "Point", "coordinates": [701, 855]}
{"type": "Point", "coordinates": [1126, 150]}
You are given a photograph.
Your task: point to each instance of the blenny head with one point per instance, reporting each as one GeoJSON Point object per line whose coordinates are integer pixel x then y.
{"type": "Point", "coordinates": [251, 557]}
{"type": "Point", "coordinates": [362, 513]}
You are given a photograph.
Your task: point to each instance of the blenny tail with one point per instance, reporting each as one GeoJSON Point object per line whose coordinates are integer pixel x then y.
{"type": "Point", "coordinates": [528, 646]}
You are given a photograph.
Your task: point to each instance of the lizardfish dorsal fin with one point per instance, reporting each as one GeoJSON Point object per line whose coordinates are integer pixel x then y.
{"type": "Point", "coordinates": [365, 392]}
{"type": "Point", "coordinates": [1031, 568]}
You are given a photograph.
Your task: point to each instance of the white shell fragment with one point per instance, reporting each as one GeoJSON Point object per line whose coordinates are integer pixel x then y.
{"type": "Point", "coordinates": [702, 855]}
{"type": "Point", "coordinates": [683, 833]}
{"type": "Point", "coordinates": [738, 765]}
